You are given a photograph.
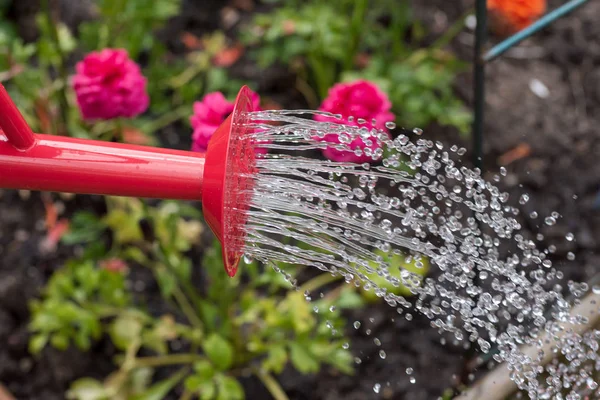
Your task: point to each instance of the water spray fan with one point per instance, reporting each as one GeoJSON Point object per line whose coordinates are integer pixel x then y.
{"type": "Point", "coordinates": [219, 177]}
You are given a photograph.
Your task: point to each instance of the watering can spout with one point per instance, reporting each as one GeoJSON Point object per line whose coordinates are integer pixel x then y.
{"type": "Point", "coordinates": [56, 163]}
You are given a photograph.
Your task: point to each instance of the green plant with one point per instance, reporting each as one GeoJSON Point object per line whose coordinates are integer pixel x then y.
{"type": "Point", "coordinates": [420, 88]}
{"type": "Point", "coordinates": [316, 39]}
{"type": "Point", "coordinates": [407, 272]}
{"type": "Point", "coordinates": [229, 328]}
{"type": "Point", "coordinates": [327, 42]}
{"type": "Point", "coordinates": [38, 73]}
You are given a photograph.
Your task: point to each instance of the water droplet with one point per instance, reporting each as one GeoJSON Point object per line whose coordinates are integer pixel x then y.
{"type": "Point", "coordinates": [524, 198]}
{"type": "Point", "coordinates": [409, 371]}
{"type": "Point", "coordinates": [550, 221]}
{"type": "Point", "coordinates": [570, 237]}
{"type": "Point", "coordinates": [533, 214]}
{"type": "Point", "coordinates": [502, 171]}
{"type": "Point", "coordinates": [356, 324]}
{"type": "Point", "coordinates": [382, 354]}
{"type": "Point", "coordinates": [332, 309]}
{"type": "Point", "coordinates": [346, 346]}
{"type": "Point", "coordinates": [418, 131]}
{"type": "Point", "coordinates": [570, 256]}
{"type": "Point", "coordinates": [377, 342]}
{"type": "Point", "coordinates": [596, 289]}
{"type": "Point", "coordinates": [376, 388]}
{"type": "Point", "coordinates": [390, 125]}
{"type": "Point", "coordinates": [247, 259]}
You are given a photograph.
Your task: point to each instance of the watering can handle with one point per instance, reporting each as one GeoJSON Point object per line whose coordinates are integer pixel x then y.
{"type": "Point", "coordinates": [63, 164]}
{"type": "Point", "coordinates": [13, 124]}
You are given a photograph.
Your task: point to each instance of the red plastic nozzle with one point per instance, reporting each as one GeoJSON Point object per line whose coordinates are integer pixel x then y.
{"type": "Point", "coordinates": [227, 182]}
{"type": "Point", "coordinates": [62, 164]}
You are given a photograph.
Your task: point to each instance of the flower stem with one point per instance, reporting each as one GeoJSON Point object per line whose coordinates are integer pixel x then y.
{"type": "Point", "coordinates": [187, 308]}
{"type": "Point", "coordinates": [452, 31]}
{"type": "Point", "coordinates": [358, 17]}
{"type": "Point", "coordinates": [62, 67]}
{"type": "Point", "coordinates": [319, 281]}
{"type": "Point", "coordinates": [170, 359]}
{"type": "Point", "coordinates": [166, 119]}
{"type": "Point", "coordinates": [271, 384]}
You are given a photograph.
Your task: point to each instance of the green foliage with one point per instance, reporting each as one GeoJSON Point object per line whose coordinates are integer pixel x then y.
{"type": "Point", "coordinates": [405, 274]}
{"type": "Point", "coordinates": [127, 24]}
{"type": "Point", "coordinates": [75, 300]}
{"type": "Point", "coordinates": [229, 327]}
{"type": "Point", "coordinates": [322, 42]}
{"type": "Point", "coordinates": [420, 88]}
{"type": "Point", "coordinates": [38, 73]}
{"type": "Point", "coordinates": [313, 38]}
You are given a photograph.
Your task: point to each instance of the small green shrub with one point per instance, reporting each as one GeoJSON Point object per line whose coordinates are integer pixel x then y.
{"type": "Point", "coordinates": [229, 328]}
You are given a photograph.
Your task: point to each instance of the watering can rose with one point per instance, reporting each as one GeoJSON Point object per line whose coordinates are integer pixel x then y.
{"type": "Point", "coordinates": [355, 101]}
{"type": "Point", "coordinates": [510, 16]}
{"type": "Point", "coordinates": [108, 84]}
{"type": "Point", "coordinates": [209, 114]}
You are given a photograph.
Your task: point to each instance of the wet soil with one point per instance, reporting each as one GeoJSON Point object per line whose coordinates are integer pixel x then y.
{"type": "Point", "coordinates": [542, 104]}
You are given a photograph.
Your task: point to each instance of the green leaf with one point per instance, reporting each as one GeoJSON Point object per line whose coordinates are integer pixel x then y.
{"type": "Point", "coordinates": [406, 274]}
{"type": "Point", "coordinates": [342, 360]}
{"type": "Point", "coordinates": [59, 341]}
{"type": "Point", "coordinates": [140, 379]}
{"type": "Point", "coordinates": [160, 390]}
{"type": "Point", "coordinates": [349, 299]}
{"type": "Point", "coordinates": [124, 330]}
{"type": "Point", "coordinates": [302, 359]}
{"type": "Point", "coordinates": [230, 389]}
{"type": "Point", "coordinates": [87, 389]}
{"type": "Point", "coordinates": [204, 370]}
{"type": "Point", "coordinates": [65, 39]}
{"type": "Point", "coordinates": [125, 226]}
{"type": "Point", "coordinates": [84, 227]}
{"type": "Point", "coordinates": [210, 313]}
{"type": "Point", "coordinates": [153, 341]}
{"type": "Point", "coordinates": [166, 280]}
{"type": "Point", "coordinates": [219, 351]}
{"type": "Point", "coordinates": [207, 390]}
{"type": "Point", "coordinates": [37, 343]}
{"type": "Point", "coordinates": [276, 359]}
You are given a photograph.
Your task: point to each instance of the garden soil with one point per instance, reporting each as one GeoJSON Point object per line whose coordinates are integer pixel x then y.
{"type": "Point", "coordinates": [541, 123]}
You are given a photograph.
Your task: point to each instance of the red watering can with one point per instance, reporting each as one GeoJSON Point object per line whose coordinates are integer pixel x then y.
{"type": "Point", "coordinates": [219, 178]}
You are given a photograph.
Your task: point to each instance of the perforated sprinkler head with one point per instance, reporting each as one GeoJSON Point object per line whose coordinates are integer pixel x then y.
{"type": "Point", "coordinates": [230, 164]}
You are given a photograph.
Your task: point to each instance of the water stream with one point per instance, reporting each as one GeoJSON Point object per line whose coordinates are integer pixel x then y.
{"type": "Point", "coordinates": [490, 284]}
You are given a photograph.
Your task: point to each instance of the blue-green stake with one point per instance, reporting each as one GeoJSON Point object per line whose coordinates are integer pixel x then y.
{"type": "Point", "coordinates": [541, 23]}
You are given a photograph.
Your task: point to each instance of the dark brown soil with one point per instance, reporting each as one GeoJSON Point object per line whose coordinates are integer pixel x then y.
{"type": "Point", "coordinates": [560, 173]}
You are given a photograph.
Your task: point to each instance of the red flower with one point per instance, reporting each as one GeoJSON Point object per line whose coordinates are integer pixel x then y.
{"type": "Point", "coordinates": [209, 114]}
{"type": "Point", "coordinates": [510, 16]}
{"type": "Point", "coordinates": [359, 100]}
{"type": "Point", "coordinates": [113, 265]}
{"type": "Point", "coordinates": [108, 84]}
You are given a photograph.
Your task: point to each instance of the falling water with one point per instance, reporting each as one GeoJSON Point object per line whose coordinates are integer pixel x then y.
{"type": "Point", "coordinates": [492, 286]}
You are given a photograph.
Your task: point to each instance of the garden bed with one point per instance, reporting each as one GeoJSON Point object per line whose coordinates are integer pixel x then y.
{"type": "Point", "coordinates": [549, 145]}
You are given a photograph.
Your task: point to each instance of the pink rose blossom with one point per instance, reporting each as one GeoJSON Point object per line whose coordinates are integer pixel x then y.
{"type": "Point", "coordinates": [360, 100]}
{"type": "Point", "coordinates": [108, 84]}
{"type": "Point", "coordinates": [209, 114]}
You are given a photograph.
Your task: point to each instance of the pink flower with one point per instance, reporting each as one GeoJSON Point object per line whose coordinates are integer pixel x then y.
{"type": "Point", "coordinates": [108, 84]}
{"type": "Point", "coordinates": [209, 114]}
{"type": "Point", "coordinates": [113, 265]}
{"type": "Point", "coordinates": [360, 100]}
